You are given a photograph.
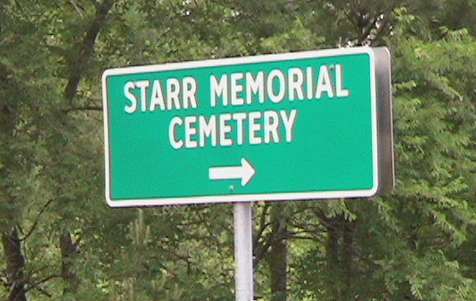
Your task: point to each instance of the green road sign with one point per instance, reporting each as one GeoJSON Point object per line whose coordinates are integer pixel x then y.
{"type": "Point", "coordinates": [275, 127]}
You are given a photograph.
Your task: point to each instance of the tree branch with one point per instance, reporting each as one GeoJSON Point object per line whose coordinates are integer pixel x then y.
{"type": "Point", "coordinates": [37, 219]}
{"type": "Point", "coordinates": [44, 292]}
{"type": "Point", "coordinates": [86, 48]}
{"type": "Point", "coordinates": [85, 108]}
{"type": "Point", "coordinates": [381, 28]}
{"type": "Point", "coordinates": [261, 250]}
{"type": "Point", "coordinates": [262, 224]}
{"type": "Point", "coordinates": [35, 285]}
{"type": "Point", "coordinates": [367, 29]}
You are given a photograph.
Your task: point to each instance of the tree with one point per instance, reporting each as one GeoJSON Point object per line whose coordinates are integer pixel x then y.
{"type": "Point", "coordinates": [60, 241]}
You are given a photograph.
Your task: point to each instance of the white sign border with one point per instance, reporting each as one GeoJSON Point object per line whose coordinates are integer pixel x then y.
{"type": "Point", "coordinates": [234, 198]}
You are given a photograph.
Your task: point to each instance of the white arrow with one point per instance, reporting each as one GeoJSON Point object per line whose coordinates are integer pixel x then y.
{"type": "Point", "coordinates": [244, 172]}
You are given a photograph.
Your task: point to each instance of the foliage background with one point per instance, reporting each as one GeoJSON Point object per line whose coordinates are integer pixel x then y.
{"type": "Point", "coordinates": [61, 242]}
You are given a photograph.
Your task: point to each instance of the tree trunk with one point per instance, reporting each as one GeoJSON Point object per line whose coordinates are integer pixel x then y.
{"type": "Point", "coordinates": [348, 259]}
{"type": "Point", "coordinates": [15, 261]}
{"type": "Point", "coordinates": [278, 255]}
{"type": "Point", "coordinates": [69, 250]}
{"type": "Point", "coordinates": [332, 256]}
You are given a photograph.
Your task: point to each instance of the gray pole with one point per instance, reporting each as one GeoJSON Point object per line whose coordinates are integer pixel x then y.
{"type": "Point", "coordinates": [243, 252]}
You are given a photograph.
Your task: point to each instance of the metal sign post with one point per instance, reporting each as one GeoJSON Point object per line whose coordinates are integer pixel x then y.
{"type": "Point", "coordinates": [243, 252]}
